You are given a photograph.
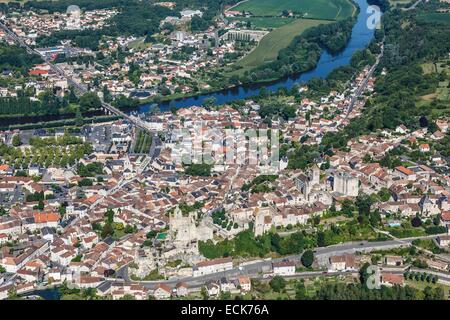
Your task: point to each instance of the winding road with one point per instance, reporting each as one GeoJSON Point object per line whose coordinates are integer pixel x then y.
{"type": "Point", "coordinates": [258, 267]}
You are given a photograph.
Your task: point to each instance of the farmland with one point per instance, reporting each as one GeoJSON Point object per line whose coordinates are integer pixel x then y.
{"type": "Point", "coordinates": [266, 22]}
{"type": "Point", "coordinates": [286, 19]}
{"type": "Point", "coordinates": [317, 9]}
{"type": "Point", "coordinates": [400, 2]}
{"type": "Point", "coordinates": [442, 92]}
{"type": "Point", "coordinates": [271, 44]}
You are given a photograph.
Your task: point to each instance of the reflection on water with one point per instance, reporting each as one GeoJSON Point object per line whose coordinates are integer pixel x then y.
{"type": "Point", "coordinates": [46, 294]}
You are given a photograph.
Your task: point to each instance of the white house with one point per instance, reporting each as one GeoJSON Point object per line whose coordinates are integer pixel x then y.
{"type": "Point", "coordinates": [284, 268]}
{"type": "Point", "coordinates": [213, 266]}
{"type": "Point", "coordinates": [444, 241]}
{"type": "Point", "coordinates": [245, 283]}
{"type": "Point", "coordinates": [162, 291]}
{"type": "Point", "coordinates": [182, 289]}
{"type": "Point", "coordinates": [342, 262]}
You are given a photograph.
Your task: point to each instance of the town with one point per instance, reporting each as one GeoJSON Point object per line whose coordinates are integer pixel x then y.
{"type": "Point", "coordinates": [185, 203]}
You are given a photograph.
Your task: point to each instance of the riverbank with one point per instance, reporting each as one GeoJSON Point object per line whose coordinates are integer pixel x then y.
{"type": "Point", "coordinates": [361, 37]}
{"type": "Point", "coordinates": [268, 48]}
{"type": "Point", "coordinates": [49, 293]}
{"type": "Point", "coordinates": [59, 123]}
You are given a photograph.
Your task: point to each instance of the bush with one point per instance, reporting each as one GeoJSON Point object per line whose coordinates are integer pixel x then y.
{"type": "Point", "coordinates": [277, 284]}
{"type": "Point", "coordinates": [416, 222]}
{"type": "Point", "coordinates": [420, 264]}
{"type": "Point", "coordinates": [307, 258]}
{"type": "Point", "coordinates": [436, 230]}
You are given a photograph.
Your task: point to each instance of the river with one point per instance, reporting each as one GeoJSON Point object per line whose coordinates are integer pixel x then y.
{"type": "Point", "coordinates": [47, 294]}
{"type": "Point", "coordinates": [360, 39]}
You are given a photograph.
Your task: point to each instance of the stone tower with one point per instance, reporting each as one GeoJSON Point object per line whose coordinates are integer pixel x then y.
{"type": "Point", "coordinates": [315, 175]}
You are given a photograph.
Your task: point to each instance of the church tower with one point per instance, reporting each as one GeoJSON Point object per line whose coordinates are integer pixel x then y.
{"type": "Point", "coordinates": [315, 175]}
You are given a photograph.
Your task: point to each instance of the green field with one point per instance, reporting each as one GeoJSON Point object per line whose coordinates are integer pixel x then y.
{"type": "Point", "coordinates": [315, 9]}
{"type": "Point", "coordinates": [266, 22]}
{"type": "Point", "coordinates": [399, 2]}
{"type": "Point", "coordinates": [442, 92]}
{"type": "Point", "coordinates": [271, 44]}
{"type": "Point", "coordinates": [436, 17]}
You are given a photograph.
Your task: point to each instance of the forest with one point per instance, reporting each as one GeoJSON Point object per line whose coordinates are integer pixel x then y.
{"type": "Point", "coordinates": [134, 18]}
{"type": "Point", "coordinates": [16, 59]}
{"type": "Point", "coordinates": [138, 19]}
{"type": "Point", "coordinates": [409, 42]}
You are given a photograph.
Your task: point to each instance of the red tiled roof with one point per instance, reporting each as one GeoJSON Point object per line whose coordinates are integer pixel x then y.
{"type": "Point", "coordinates": [46, 217]}
{"type": "Point", "coordinates": [445, 216]}
{"type": "Point", "coordinates": [404, 170]}
{"type": "Point", "coordinates": [392, 278]}
{"type": "Point", "coordinates": [37, 72]}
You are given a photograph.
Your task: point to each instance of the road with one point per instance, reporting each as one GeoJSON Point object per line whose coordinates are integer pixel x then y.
{"type": "Point", "coordinates": [413, 6]}
{"type": "Point", "coordinates": [79, 87]}
{"type": "Point", "coordinates": [364, 83]}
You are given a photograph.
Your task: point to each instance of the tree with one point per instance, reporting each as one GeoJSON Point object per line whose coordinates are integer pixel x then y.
{"type": "Point", "coordinates": [200, 169]}
{"type": "Point", "coordinates": [12, 293]}
{"type": "Point", "coordinates": [300, 291]}
{"type": "Point", "coordinates": [209, 102]}
{"type": "Point", "coordinates": [107, 230]}
{"type": "Point", "coordinates": [347, 208]}
{"type": "Point", "coordinates": [204, 293]}
{"type": "Point", "coordinates": [384, 194]}
{"type": "Point", "coordinates": [168, 26]}
{"type": "Point", "coordinates": [16, 141]}
{"type": "Point", "coordinates": [307, 258]}
{"type": "Point", "coordinates": [416, 222]}
{"type": "Point", "coordinates": [129, 229]}
{"type": "Point", "coordinates": [367, 158]}
{"type": "Point", "coordinates": [40, 205]}
{"type": "Point", "coordinates": [79, 121]}
{"type": "Point", "coordinates": [321, 239]}
{"type": "Point", "coordinates": [198, 24]}
{"type": "Point", "coordinates": [3, 212]}
{"type": "Point", "coordinates": [375, 218]}
{"type": "Point", "coordinates": [90, 100]}
{"type": "Point", "coordinates": [151, 234]}
{"type": "Point", "coordinates": [109, 215]}
{"type": "Point", "coordinates": [363, 275]}
{"type": "Point", "coordinates": [173, 109]}
{"type": "Point", "coordinates": [277, 284]}
{"type": "Point", "coordinates": [225, 295]}
{"type": "Point", "coordinates": [316, 220]}
{"type": "Point", "coordinates": [423, 121]}
{"type": "Point", "coordinates": [363, 202]}
{"type": "Point", "coordinates": [433, 294]}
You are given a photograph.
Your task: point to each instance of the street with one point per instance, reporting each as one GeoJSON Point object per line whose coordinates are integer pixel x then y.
{"type": "Point", "coordinates": [257, 268]}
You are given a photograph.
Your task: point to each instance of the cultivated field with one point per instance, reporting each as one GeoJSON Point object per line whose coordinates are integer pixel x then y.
{"type": "Point", "coordinates": [267, 14]}
{"type": "Point", "coordinates": [266, 22]}
{"type": "Point", "coordinates": [317, 9]}
{"type": "Point", "coordinates": [442, 92]}
{"type": "Point", "coordinates": [399, 2]}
